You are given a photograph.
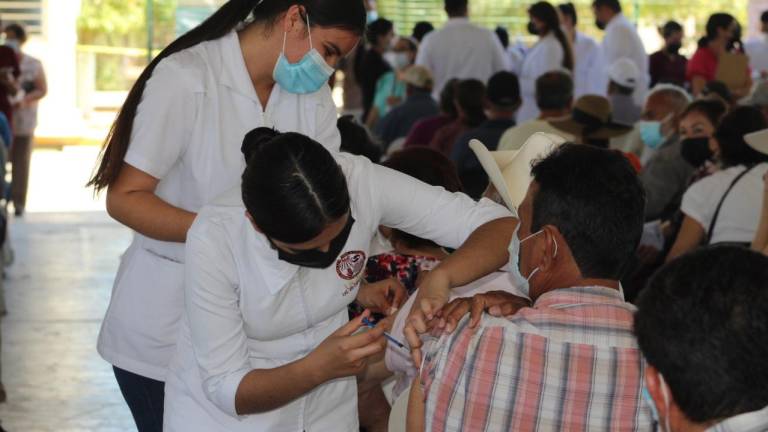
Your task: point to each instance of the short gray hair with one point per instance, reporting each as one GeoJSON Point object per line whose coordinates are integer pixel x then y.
{"type": "Point", "coordinates": [674, 95]}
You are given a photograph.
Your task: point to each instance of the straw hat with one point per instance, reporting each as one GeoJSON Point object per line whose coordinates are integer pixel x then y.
{"type": "Point", "coordinates": [510, 171]}
{"type": "Point", "coordinates": [758, 140]}
{"type": "Point", "coordinates": [418, 76]}
{"type": "Point", "coordinates": [591, 119]}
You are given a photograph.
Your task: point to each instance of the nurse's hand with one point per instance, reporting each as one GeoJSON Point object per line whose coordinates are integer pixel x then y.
{"type": "Point", "coordinates": [495, 303]}
{"type": "Point", "coordinates": [383, 297]}
{"type": "Point", "coordinates": [342, 354]}
{"type": "Point", "coordinates": [433, 293]}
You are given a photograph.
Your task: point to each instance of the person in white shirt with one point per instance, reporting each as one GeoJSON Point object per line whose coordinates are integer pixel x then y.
{"type": "Point", "coordinates": [175, 146]}
{"type": "Point", "coordinates": [725, 206]}
{"type": "Point", "coordinates": [266, 342]}
{"type": "Point", "coordinates": [621, 40]}
{"type": "Point", "coordinates": [589, 69]}
{"type": "Point", "coordinates": [757, 50]}
{"type": "Point", "coordinates": [554, 97]}
{"type": "Point", "coordinates": [461, 49]}
{"type": "Point", "coordinates": [551, 52]}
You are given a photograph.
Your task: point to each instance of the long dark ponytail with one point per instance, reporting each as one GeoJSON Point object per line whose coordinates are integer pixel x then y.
{"type": "Point", "coordinates": [345, 14]}
{"type": "Point", "coordinates": [292, 187]}
{"type": "Point", "coordinates": [547, 13]}
{"type": "Point", "coordinates": [715, 22]}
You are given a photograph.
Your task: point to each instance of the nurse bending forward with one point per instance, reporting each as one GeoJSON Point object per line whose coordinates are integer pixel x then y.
{"type": "Point", "coordinates": [266, 342]}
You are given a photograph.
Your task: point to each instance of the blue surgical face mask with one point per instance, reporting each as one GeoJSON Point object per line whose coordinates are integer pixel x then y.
{"type": "Point", "coordinates": [652, 405]}
{"type": "Point", "coordinates": [650, 132]}
{"type": "Point", "coordinates": [518, 280]}
{"type": "Point", "coordinates": [309, 75]}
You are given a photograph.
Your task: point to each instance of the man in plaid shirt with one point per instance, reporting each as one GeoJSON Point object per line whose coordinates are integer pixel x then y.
{"type": "Point", "coordinates": [702, 324]}
{"type": "Point", "coordinates": [570, 361]}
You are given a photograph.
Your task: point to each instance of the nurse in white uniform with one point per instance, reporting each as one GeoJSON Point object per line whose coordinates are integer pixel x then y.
{"type": "Point", "coordinates": [176, 145]}
{"type": "Point", "coordinates": [266, 343]}
{"type": "Point", "coordinates": [551, 52]}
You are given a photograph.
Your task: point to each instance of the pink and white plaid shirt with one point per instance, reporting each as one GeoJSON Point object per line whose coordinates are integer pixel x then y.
{"type": "Point", "coordinates": [569, 363]}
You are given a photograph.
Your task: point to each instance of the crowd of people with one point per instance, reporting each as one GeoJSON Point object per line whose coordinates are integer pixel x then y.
{"type": "Point", "coordinates": [571, 236]}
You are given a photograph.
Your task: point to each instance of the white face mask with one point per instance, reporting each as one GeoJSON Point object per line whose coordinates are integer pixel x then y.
{"type": "Point", "coordinates": [521, 282]}
{"type": "Point", "coordinates": [398, 60]}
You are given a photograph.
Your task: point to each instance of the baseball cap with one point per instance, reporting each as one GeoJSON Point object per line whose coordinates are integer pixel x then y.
{"type": "Point", "coordinates": [504, 90]}
{"type": "Point", "coordinates": [624, 73]}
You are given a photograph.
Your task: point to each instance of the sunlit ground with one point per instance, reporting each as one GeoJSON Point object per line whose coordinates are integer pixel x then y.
{"type": "Point", "coordinates": [66, 254]}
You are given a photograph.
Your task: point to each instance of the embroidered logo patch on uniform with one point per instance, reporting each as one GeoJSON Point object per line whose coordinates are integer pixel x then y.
{"type": "Point", "coordinates": [350, 265]}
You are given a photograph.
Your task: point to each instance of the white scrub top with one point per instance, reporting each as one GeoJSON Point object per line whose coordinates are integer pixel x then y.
{"type": "Point", "coordinates": [196, 109]}
{"type": "Point", "coordinates": [461, 50]}
{"type": "Point", "coordinates": [545, 56]}
{"type": "Point", "coordinates": [621, 40]}
{"type": "Point", "coordinates": [589, 74]}
{"type": "Point", "coordinates": [246, 309]}
{"type": "Point", "coordinates": [757, 50]}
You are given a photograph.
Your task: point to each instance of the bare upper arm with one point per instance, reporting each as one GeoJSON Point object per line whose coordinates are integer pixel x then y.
{"type": "Point", "coordinates": [130, 179]}
{"type": "Point", "coordinates": [690, 236]}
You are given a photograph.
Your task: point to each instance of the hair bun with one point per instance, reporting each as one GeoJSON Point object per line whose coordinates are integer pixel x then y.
{"type": "Point", "coordinates": [256, 139]}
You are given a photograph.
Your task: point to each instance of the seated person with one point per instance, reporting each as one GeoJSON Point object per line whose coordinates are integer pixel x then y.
{"type": "Point", "coordinates": [469, 101]}
{"type": "Point", "coordinates": [701, 327]}
{"type": "Point", "coordinates": [623, 78]}
{"type": "Point", "coordinates": [356, 140]}
{"type": "Point", "coordinates": [591, 122]}
{"type": "Point", "coordinates": [423, 131]}
{"type": "Point", "coordinates": [390, 88]}
{"type": "Point", "coordinates": [502, 101]}
{"type": "Point", "coordinates": [759, 142]}
{"type": "Point", "coordinates": [665, 173]}
{"type": "Point", "coordinates": [725, 207]}
{"type": "Point", "coordinates": [554, 97]}
{"type": "Point", "coordinates": [418, 105]}
{"type": "Point", "coordinates": [570, 361]}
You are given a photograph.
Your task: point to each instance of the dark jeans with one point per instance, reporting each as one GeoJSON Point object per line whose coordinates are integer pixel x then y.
{"type": "Point", "coordinates": [145, 398]}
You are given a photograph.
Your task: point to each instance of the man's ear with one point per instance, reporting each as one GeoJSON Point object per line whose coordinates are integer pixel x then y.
{"type": "Point", "coordinates": [653, 382]}
{"type": "Point", "coordinates": [552, 247]}
{"type": "Point", "coordinates": [253, 222]}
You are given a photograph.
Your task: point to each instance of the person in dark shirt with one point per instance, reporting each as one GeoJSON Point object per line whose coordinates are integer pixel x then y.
{"type": "Point", "coordinates": [9, 73]}
{"type": "Point", "coordinates": [667, 65]}
{"type": "Point", "coordinates": [380, 34]}
{"type": "Point", "coordinates": [470, 104]}
{"type": "Point", "coordinates": [502, 102]}
{"type": "Point", "coordinates": [418, 105]}
{"type": "Point", "coordinates": [423, 131]}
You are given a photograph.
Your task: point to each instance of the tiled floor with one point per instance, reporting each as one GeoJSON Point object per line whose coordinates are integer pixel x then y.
{"type": "Point", "coordinates": [57, 291]}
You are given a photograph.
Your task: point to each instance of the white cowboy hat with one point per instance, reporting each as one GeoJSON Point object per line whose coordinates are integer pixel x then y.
{"type": "Point", "coordinates": [758, 140]}
{"type": "Point", "coordinates": [510, 171]}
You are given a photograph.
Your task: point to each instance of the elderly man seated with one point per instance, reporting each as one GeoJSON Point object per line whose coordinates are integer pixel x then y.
{"type": "Point", "coordinates": [702, 325]}
{"type": "Point", "coordinates": [569, 361]}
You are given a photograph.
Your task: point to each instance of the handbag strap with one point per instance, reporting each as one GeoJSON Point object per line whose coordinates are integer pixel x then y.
{"type": "Point", "coordinates": [712, 224]}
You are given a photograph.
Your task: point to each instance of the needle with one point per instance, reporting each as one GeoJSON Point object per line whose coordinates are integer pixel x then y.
{"type": "Point", "coordinates": [389, 337]}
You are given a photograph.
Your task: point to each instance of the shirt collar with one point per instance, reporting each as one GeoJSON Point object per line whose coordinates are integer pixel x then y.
{"type": "Point", "coordinates": [755, 421]}
{"type": "Point", "coordinates": [617, 20]}
{"type": "Point", "coordinates": [457, 21]}
{"type": "Point", "coordinates": [234, 73]}
{"type": "Point", "coordinates": [581, 295]}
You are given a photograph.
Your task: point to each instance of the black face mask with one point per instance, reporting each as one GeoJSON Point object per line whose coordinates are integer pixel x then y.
{"type": "Point", "coordinates": [599, 24]}
{"type": "Point", "coordinates": [532, 28]}
{"type": "Point", "coordinates": [674, 48]}
{"type": "Point", "coordinates": [695, 151]}
{"type": "Point", "coordinates": [314, 258]}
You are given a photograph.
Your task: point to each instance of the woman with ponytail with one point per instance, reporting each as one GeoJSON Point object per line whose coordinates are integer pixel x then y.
{"type": "Point", "coordinates": [175, 146]}
{"type": "Point", "coordinates": [266, 343]}
{"type": "Point", "coordinates": [551, 52]}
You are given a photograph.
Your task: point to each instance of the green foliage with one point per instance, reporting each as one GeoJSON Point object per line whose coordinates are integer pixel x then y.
{"type": "Point", "coordinates": [123, 24]}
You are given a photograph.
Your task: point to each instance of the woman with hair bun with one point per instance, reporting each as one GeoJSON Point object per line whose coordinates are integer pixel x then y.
{"type": "Point", "coordinates": [266, 343]}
